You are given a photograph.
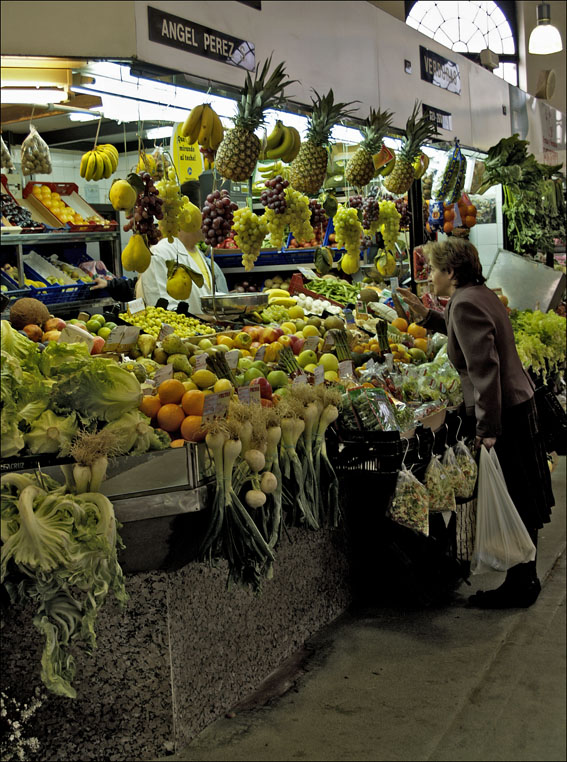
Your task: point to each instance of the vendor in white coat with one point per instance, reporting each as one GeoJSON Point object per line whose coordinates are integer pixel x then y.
{"type": "Point", "coordinates": [184, 250]}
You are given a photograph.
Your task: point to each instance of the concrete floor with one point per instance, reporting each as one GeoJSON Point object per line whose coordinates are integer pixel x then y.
{"type": "Point", "coordinates": [449, 683]}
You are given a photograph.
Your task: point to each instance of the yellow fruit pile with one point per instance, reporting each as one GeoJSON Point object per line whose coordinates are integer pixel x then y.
{"type": "Point", "coordinates": [57, 206]}
{"type": "Point", "coordinates": [152, 318]}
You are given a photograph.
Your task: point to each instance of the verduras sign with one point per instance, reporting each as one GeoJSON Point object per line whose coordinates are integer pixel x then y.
{"type": "Point", "coordinates": [439, 71]}
{"type": "Point", "coordinates": [177, 32]}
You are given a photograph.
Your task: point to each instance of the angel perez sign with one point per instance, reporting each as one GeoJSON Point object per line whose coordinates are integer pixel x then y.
{"type": "Point", "coordinates": [440, 71]}
{"type": "Point", "coordinates": [177, 32]}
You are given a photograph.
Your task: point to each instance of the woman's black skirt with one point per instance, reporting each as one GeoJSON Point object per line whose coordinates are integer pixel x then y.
{"type": "Point", "coordinates": [521, 452]}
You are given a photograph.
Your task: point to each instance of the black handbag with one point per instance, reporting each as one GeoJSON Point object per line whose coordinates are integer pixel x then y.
{"type": "Point", "coordinates": [552, 420]}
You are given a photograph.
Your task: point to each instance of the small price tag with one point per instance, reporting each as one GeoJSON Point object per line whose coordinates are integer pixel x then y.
{"type": "Point", "coordinates": [260, 352]}
{"type": "Point", "coordinates": [394, 283]}
{"type": "Point", "coordinates": [163, 374]}
{"type": "Point", "coordinates": [345, 369]}
{"type": "Point", "coordinates": [148, 388]}
{"type": "Point", "coordinates": [328, 342]}
{"type": "Point", "coordinates": [232, 357]}
{"type": "Point", "coordinates": [349, 317]}
{"type": "Point", "coordinates": [201, 361]}
{"type": "Point", "coordinates": [301, 379]}
{"type": "Point", "coordinates": [319, 374]}
{"type": "Point", "coordinates": [311, 343]}
{"type": "Point", "coordinates": [361, 308]}
{"type": "Point", "coordinates": [122, 338]}
{"type": "Point", "coordinates": [223, 398]}
{"type": "Point", "coordinates": [244, 394]}
{"type": "Point", "coordinates": [389, 358]}
{"type": "Point", "coordinates": [309, 274]}
{"type": "Point", "coordinates": [210, 406]}
{"type": "Point", "coordinates": [164, 331]}
{"type": "Point", "coordinates": [136, 305]}
{"type": "Point", "coordinates": [254, 394]}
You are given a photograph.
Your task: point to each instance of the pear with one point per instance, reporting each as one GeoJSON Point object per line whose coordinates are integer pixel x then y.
{"type": "Point", "coordinates": [122, 195]}
{"type": "Point", "coordinates": [173, 345]}
{"type": "Point", "coordinates": [180, 362]}
{"type": "Point", "coordinates": [179, 285]}
{"type": "Point", "coordinates": [146, 344]}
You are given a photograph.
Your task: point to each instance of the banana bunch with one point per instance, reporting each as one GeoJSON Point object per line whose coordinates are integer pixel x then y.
{"type": "Point", "coordinates": [283, 143]}
{"type": "Point", "coordinates": [269, 171]}
{"type": "Point", "coordinates": [203, 126]}
{"type": "Point", "coordinates": [98, 163]}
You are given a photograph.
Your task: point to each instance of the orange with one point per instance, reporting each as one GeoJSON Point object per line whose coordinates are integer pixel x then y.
{"type": "Point", "coordinates": [420, 344]}
{"type": "Point", "coordinates": [470, 221]}
{"type": "Point", "coordinates": [358, 348]}
{"type": "Point", "coordinates": [448, 215]}
{"type": "Point", "coordinates": [191, 428]}
{"type": "Point", "coordinates": [448, 227]}
{"type": "Point", "coordinates": [417, 331]}
{"type": "Point", "coordinates": [177, 443]}
{"type": "Point", "coordinates": [170, 417]}
{"type": "Point", "coordinates": [192, 402]}
{"type": "Point", "coordinates": [171, 391]}
{"type": "Point", "coordinates": [400, 324]}
{"type": "Point", "coordinates": [222, 339]}
{"type": "Point", "coordinates": [471, 210]}
{"type": "Point", "coordinates": [150, 405]}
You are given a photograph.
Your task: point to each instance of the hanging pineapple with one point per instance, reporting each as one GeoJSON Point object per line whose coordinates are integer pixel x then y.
{"type": "Point", "coordinates": [238, 152]}
{"type": "Point", "coordinates": [360, 167]}
{"type": "Point", "coordinates": [309, 169]}
{"type": "Point", "coordinates": [417, 132]}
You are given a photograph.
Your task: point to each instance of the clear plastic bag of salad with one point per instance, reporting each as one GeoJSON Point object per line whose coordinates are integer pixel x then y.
{"type": "Point", "coordinates": [455, 474]}
{"type": "Point", "coordinates": [468, 467]}
{"type": "Point", "coordinates": [439, 487]}
{"type": "Point", "coordinates": [410, 504]}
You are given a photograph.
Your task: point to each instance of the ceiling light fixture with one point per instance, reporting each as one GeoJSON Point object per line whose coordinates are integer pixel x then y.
{"type": "Point", "coordinates": [545, 38]}
{"type": "Point", "coordinates": [159, 132]}
{"type": "Point", "coordinates": [32, 95]}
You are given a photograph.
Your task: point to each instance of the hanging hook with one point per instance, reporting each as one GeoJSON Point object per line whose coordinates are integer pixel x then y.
{"type": "Point", "coordinates": [459, 428]}
{"type": "Point", "coordinates": [406, 452]}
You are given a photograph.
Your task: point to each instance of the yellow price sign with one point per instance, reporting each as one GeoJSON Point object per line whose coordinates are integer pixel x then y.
{"type": "Point", "coordinates": [187, 158]}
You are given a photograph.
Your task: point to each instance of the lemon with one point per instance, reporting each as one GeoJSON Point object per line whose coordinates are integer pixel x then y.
{"type": "Point", "coordinates": [310, 330]}
{"type": "Point", "coordinates": [222, 385]}
{"type": "Point", "coordinates": [204, 378]}
{"type": "Point", "coordinates": [296, 313]}
{"type": "Point", "coordinates": [310, 368]}
{"type": "Point", "coordinates": [331, 375]}
{"type": "Point", "coordinates": [329, 361]}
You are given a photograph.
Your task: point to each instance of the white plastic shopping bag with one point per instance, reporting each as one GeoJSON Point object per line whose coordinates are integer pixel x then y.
{"type": "Point", "coordinates": [502, 539]}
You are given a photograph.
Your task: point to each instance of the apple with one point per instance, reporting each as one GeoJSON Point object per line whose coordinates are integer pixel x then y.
{"type": "Point", "coordinates": [277, 379]}
{"type": "Point", "coordinates": [105, 332]}
{"type": "Point", "coordinates": [244, 363]}
{"type": "Point", "coordinates": [54, 324]}
{"type": "Point", "coordinates": [285, 340]}
{"type": "Point", "coordinates": [97, 346]}
{"type": "Point", "coordinates": [255, 331]}
{"type": "Point", "coordinates": [242, 340]}
{"type": "Point", "coordinates": [239, 379]}
{"type": "Point", "coordinates": [271, 333]}
{"type": "Point", "coordinates": [51, 336]}
{"type": "Point", "coordinates": [307, 357]}
{"type": "Point", "coordinates": [265, 387]}
{"type": "Point", "coordinates": [297, 343]}
{"type": "Point", "coordinates": [33, 332]}
{"type": "Point", "coordinates": [262, 367]}
{"type": "Point", "coordinates": [252, 373]}
{"type": "Point", "coordinates": [254, 346]}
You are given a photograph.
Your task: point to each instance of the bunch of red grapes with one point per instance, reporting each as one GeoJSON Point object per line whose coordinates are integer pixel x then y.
{"type": "Point", "coordinates": [355, 202]}
{"type": "Point", "coordinates": [318, 214]}
{"type": "Point", "coordinates": [402, 208]}
{"type": "Point", "coordinates": [274, 196]}
{"type": "Point", "coordinates": [218, 214]}
{"type": "Point", "coordinates": [370, 211]}
{"type": "Point", "coordinates": [147, 209]}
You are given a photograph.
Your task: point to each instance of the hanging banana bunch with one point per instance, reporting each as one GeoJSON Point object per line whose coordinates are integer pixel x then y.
{"type": "Point", "coordinates": [99, 163]}
{"type": "Point", "coordinates": [282, 143]}
{"type": "Point", "coordinates": [203, 126]}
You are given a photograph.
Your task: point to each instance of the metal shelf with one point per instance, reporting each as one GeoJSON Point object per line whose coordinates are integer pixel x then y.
{"type": "Point", "coordinates": [268, 268]}
{"type": "Point", "coordinates": [29, 238]}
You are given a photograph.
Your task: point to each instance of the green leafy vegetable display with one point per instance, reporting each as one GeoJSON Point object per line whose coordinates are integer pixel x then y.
{"type": "Point", "coordinates": [64, 547]}
{"type": "Point", "coordinates": [540, 339]}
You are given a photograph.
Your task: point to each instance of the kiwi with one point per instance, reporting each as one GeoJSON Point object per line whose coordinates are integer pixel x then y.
{"type": "Point", "coordinates": [369, 295]}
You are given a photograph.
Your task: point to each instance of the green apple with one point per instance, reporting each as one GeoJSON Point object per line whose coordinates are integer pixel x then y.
{"type": "Point", "coordinates": [244, 363]}
{"type": "Point", "coordinates": [307, 357]}
{"type": "Point", "coordinates": [277, 379]}
{"type": "Point", "coordinates": [205, 344]}
{"type": "Point", "coordinates": [93, 326]}
{"type": "Point", "coordinates": [418, 355]}
{"type": "Point", "coordinates": [261, 365]}
{"type": "Point", "coordinates": [105, 332]}
{"type": "Point", "coordinates": [310, 368]}
{"type": "Point", "coordinates": [100, 319]}
{"type": "Point", "coordinates": [252, 373]}
{"type": "Point", "coordinates": [329, 361]}
{"type": "Point", "coordinates": [239, 379]}
{"type": "Point", "coordinates": [110, 325]}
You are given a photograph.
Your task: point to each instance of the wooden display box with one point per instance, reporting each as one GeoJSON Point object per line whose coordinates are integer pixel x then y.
{"type": "Point", "coordinates": [69, 193]}
{"type": "Point", "coordinates": [21, 202]}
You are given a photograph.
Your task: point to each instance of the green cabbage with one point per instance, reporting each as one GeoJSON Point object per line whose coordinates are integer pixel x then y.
{"type": "Point", "coordinates": [61, 359]}
{"type": "Point", "coordinates": [132, 432]}
{"type": "Point", "coordinates": [51, 433]}
{"type": "Point", "coordinates": [100, 389]}
{"type": "Point", "coordinates": [18, 345]}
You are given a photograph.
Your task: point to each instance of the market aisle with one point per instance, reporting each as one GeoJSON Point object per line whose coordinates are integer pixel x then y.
{"type": "Point", "coordinates": [444, 684]}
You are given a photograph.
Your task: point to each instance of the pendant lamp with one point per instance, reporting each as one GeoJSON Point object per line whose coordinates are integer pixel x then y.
{"type": "Point", "coordinates": [545, 38]}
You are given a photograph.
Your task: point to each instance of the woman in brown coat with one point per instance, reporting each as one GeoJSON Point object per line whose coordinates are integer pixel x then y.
{"type": "Point", "coordinates": [499, 394]}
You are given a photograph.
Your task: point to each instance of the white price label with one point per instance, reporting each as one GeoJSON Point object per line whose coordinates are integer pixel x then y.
{"type": "Point", "coordinates": [163, 374]}
{"type": "Point", "coordinates": [223, 399]}
{"type": "Point", "coordinates": [122, 338]}
{"type": "Point", "coordinates": [254, 393]}
{"type": "Point", "coordinates": [136, 305]}
{"type": "Point", "coordinates": [164, 331]}
{"type": "Point", "coordinates": [244, 394]}
{"type": "Point", "coordinates": [210, 406]}
{"type": "Point", "coordinates": [312, 342]}
{"type": "Point", "coordinates": [394, 283]}
{"type": "Point", "coordinates": [232, 358]}
{"type": "Point", "coordinates": [301, 379]}
{"type": "Point", "coordinates": [345, 369]}
{"type": "Point", "coordinates": [361, 308]}
{"type": "Point", "coordinates": [201, 361]}
{"type": "Point", "coordinates": [319, 374]}
{"type": "Point", "coordinates": [389, 361]}
{"type": "Point", "coordinates": [260, 352]}
{"type": "Point", "coordinates": [328, 342]}
{"type": "Point", "coordinates": [309, 274]}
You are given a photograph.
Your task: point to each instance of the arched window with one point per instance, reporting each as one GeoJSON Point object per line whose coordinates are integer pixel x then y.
{"type": "Point", "coordinates": [468, 28]}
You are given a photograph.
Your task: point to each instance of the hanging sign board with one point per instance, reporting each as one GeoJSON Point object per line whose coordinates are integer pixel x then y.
{"type": "Point", "coordinates": [187, 158]}
{"type": "Point", "coordinates": [177, 32]}
{"type": "Point", "coordinates": [441, 118]}
{"type": "Point", "coordinates": [439, 71]}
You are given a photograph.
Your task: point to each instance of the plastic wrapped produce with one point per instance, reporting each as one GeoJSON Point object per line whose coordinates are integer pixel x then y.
{"type": "Point", "coordinates": [439, 487]}
{"type": "Point", "coordinates": [6, 159]}
{"type": "Point", "coordinates": [410, 504]}
{"type": "Point", "coordinates": [468, 467]}
{"type": "Point", "coordinates": [456, 476]}
{"type": "Point", "coordinates": [36, 158]}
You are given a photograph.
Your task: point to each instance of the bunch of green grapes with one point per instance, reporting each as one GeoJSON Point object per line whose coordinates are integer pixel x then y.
{"type": "Point", "coordinates": [170, 192]}
{"type": "Point", "coordinates": [298, 215]}
{"type": "Point", "coordinates": [250, 232]}
{"type": "Point", "coordinates": [277, 226]}
{"type": "Point", "coordinates": [275, 313]}
{"type": "Point", "coordinates": [389, 224]}
{"type": "Point", "coordinates": [151, 320]}
{"type": "Point", "coordinates": [348, 229]}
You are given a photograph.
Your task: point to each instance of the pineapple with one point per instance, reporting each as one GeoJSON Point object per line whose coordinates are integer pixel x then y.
{"type": "Point", "coordinates": [360, 167]}
{"type": "Point", "coordinates": [309, 168]}
{"type": "Point", "coordinates": [238, 152]}
{"type": "Point", "coordinates": [417, 132]}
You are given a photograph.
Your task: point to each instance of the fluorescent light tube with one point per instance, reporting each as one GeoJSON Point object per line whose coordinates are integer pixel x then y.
{"type": "Point", "coordinates": [32, 95]}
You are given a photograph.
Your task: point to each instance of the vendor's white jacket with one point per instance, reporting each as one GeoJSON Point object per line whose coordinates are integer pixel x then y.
{"type": "Point", "coordinates": [154, 279]}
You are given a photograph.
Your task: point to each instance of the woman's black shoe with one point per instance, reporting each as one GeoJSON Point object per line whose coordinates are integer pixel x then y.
{"type": "Point", "coordinates": [506, 597]}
